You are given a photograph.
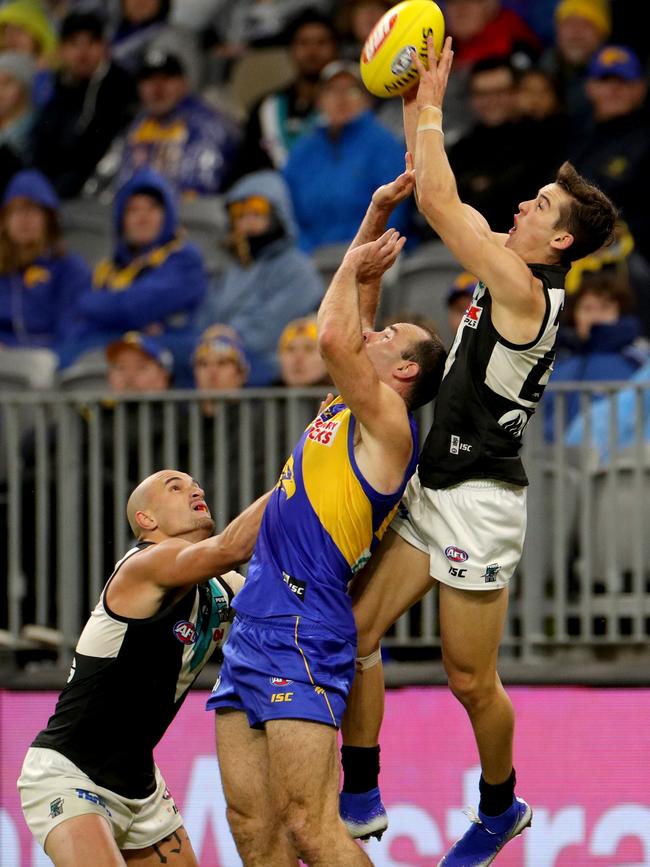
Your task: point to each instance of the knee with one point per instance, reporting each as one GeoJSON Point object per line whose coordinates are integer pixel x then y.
{"type": "Point", "coordinates": [247, 828]}
{"type": "Point", "coordinates": [472, 689]}
{"type": "Point", "coordinates": [303, 828]}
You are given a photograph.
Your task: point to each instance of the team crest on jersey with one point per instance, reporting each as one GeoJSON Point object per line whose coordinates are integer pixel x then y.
{"type": "Point", "coordinates": [185, 631]}
{"type": "Point", "coordinates": [323, 431]}
{"type": "Point", "coordinates": [514, 421]}
{"type": "Point", "coordinates": [472, 316]}
{"type": "Point", "coordinates": [287, 482]}
{"type": "Point", "coordinates": [56, 808]}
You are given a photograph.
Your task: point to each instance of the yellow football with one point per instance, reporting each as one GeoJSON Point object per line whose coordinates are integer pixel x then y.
{"type": "Point", "coordinates": [386, 64]}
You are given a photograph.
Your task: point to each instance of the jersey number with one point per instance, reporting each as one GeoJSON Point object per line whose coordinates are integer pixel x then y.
{"type": "Point", "coordinates": [532, 389]}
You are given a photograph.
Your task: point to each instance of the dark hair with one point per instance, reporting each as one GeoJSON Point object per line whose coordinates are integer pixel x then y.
{"type": "Point", "coordinates": [82, 22]}
{"type": "Point", "coordinates": [607, 284]}
{"type": "Point", "coordinates": [430, 354]}
{"type": "Point", "coordinates": [309, 16]}
{"type": "Point", "coordinates": [489, 64]}
{"type": "Point", "coordinates": [590, 216]}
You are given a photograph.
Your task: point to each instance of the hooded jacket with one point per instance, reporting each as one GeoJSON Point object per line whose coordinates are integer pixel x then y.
{"type": "Point", "coordinates": [609, 354]}
{"type": "Point", "coordinates": [332, 180]}
{"type": "Point", "coordinates": [38, 303]}
{"type": "Point", "coordinates": [161, 284]}
{"type": "Point", "coordinates": [281, 283]}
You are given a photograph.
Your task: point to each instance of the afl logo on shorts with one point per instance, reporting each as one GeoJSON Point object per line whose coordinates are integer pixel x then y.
{"type": "Point", "coordinates": [279, 681]}
{"type": "Point", "coordinates": [456, 555]}
{"type": "Point", "coordinates": [185, 631]}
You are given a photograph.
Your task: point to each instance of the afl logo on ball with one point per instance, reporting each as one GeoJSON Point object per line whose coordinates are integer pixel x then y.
{"type": "Point", "coordinates": [185, 631]}
{"type": "Point", "coordinates": [456, 555]}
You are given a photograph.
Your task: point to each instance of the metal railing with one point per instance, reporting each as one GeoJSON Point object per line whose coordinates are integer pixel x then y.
{"type": "Point", "coordinates": [69, 460]}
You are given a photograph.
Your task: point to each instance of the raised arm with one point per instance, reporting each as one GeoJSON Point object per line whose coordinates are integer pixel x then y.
{"type": "Point", "coordinates": [378, 408]}
{"type": "Point", "coordinates": [462, 229]}
{"type": "Point", "coordinates": [178, 563]}
{"type": "Point", "coordinates": [384, 200]}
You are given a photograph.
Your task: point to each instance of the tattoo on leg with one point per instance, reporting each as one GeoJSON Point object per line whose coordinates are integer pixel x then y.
{"type": "Point", "coordinates": [162, 857]}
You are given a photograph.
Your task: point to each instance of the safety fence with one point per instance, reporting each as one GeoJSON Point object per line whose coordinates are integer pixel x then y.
{"type": "Point", "coordinates": [68, 462]}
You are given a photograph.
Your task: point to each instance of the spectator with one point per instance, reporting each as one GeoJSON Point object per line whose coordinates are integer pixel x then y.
{"type": "Point", "coordinates": [280, 118]}
{"type": "Point", "coordinates": [581, 26]}
{"type": "Point", "coordinates": [333, 171]}
{"type": "Point", "coordinates": [220, 364]}
{"type": "Point", "coordinates": [602, 345]}
{"type": "Point", "coordinates": [615, 154]}
{"type": "Point", "coordinates": [626, 412]}
{"type": "Point", "coordinates": [16, 71]}
{"type": "Point", "coordinates": [539, 100]}
{"type": "Point", "coordinates": [138, 363]}
{"type": "Point", "coordinates": [356, 20]}
{"type": "Point", "coordinates": [176, 133]}
{"type": "Point", "coordinates": [92, 101]}
{"type": "Point", "coordinates": [480, 29]}
{"type": "Point", "coordinates": [139, 22]}
{"type": "Point", "coordinates": [24, 28]}
{"type": "Point", "coordinates": [458, 298]}
{"type": "Point", "coordinates": [500, 156]}
{"type": "Point", "coordinates": [271, 280]}
{"type": "Point", "coordinates": [40, 284]}
{"type": "Point", "coordinates": [301, 364]}
{"type": "Point", "coordinates": [154, 281]}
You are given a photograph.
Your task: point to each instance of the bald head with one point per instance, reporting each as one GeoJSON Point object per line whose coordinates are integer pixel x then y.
{"type": "Point", "coordinates": [141, 499]}
{"type": "Point", "coordinates": [168, 503]}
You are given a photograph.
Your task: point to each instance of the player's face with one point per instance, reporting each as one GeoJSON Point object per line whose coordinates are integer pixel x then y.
{"type": "Point", "coordinates": [179, 506]}
{"type": "Point", "coordinates": [535, 223]}
{"type": "Point", "coordinates": [386, 348]}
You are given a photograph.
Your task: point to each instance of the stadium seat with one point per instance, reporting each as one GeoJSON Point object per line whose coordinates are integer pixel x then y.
{"type": "Point", "coordinates": [328, 258]}
{"type": "Point", "coordinates": [421, 284]}
{"type": "Point", "coordinates": [206, 223]}
{"type": "Point", "coordinates": [87, 373]}
{"type": "Point", "coordinates": [259, 71]}
{"type": "Point", "coordinates": [88, 228]}
{"type": "Point", "coordinates": [26, 368]}
{"type": "Point", "coordinates": [621, 512]}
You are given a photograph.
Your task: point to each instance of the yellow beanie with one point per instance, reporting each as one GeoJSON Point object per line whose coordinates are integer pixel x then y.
{"type": "Point", "coordinates": [596, 11]}
{"type": "Point", "coordinates": [30, 16]}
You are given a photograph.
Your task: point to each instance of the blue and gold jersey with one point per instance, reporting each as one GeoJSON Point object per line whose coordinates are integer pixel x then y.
{"type": "Point", "coordinates": [321, 525]}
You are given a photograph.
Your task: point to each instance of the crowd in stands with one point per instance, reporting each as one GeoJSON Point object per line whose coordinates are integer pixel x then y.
{"type": "Point", "coordinates": [157, 110]}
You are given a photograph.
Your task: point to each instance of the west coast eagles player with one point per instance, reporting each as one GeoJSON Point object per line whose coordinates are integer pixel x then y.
{"type": "Point", "coordinates": [466, 507]}
{"type": "Point", "coordinates": [89, 788]}
{"type": "Point", "coordinates": [290, 657]}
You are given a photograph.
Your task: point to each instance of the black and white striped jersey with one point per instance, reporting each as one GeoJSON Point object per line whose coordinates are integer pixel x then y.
{"type": "Point", "coordinates": [489, 392]}
{"type": "Point", "coordinates": [128, 680]}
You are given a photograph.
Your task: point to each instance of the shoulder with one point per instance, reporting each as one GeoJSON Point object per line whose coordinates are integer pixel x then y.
{"type": "Point", "coordinates": [71, 263]}
{"type": "Point", "coordinates": [188, 253]}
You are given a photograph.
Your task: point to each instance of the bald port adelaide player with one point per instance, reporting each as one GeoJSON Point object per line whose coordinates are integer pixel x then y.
{"type": "Point", "coordinates": [464, 520]}
{"type": "Point", "coordinates": [289, 660]}
{"type": "Point", "coordinates": [90, 790]}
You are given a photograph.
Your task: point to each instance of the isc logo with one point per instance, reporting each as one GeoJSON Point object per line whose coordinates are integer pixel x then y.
{"type": "Point", "coordinates": [282, 696]}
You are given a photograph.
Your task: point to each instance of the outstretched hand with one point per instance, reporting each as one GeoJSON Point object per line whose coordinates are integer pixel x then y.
{"type": "Point", "coordinates": [389, 195]}
{"type": "Point", "coordinates": [433, 81]}
{"type": "Point", "coordinates": [370, 261]}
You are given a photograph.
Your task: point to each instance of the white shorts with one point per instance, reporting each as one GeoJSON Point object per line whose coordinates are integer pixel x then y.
{"type": "Point", "coordinates": [53, 789]}
{"type": "Point", "coordinates": [473, 532]}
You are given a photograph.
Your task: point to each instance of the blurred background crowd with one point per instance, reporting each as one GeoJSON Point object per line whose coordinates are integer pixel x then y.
{"type": "Point", "coordinates": [179, 178]}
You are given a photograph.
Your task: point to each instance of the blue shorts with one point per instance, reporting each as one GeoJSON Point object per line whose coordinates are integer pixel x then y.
{"type": "Point", "coordinates": [284, 668]}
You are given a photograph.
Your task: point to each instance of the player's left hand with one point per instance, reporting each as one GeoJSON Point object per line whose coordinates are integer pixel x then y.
{"type": "Point", "coordinates": [372, 260]}
{"type": "Point", "coordinates": [433, 81]}
{"type": "Point", "coordinates": [389, 195]}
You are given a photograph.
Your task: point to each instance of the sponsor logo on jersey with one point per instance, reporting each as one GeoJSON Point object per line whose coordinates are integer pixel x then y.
{"type": "Point", "coordinates": [472, 316]}
{"type": "Point", "coordinates": [324, 432]}
{"type": "Point", "coordinates": [279, 681]}
{"type": "Point", "coordinates": [185, 631]}
{"type": "Point", "coordinates": [491, 573]}
{"type": "Point", "coordinates": [514, 421]}
{"type": "Point", "coordinates": [94, 798]}
{"type": "Point", "coordinates": [56, 807]}
{"type": "Point", "coordinates": [456, 572]}
{"type": "Point", "coordinates": [298, 588]}
{"type": "Point", "coordinates": [456, 446]}
{"type": "Point", "coordinates": [282, 696]}
{"type": "Point", "coordinates": [456, 555]}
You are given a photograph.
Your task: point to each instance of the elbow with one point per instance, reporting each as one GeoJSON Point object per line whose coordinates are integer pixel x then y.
{"type": "Point", "coordinates": [330, 340]}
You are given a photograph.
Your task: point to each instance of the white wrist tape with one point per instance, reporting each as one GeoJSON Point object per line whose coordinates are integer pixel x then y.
{"type": "Point", "coordinates": [364, 662]}
{"type": "Point", "coordinates": [434, 126]}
